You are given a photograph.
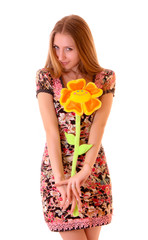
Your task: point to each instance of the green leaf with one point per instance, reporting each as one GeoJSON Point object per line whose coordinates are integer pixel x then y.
{"type": "Point", "coordinates": [84, 148]}
{"type": "Point", "coordinates": [70, 138]}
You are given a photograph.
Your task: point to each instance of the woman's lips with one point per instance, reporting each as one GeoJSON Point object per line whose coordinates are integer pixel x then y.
{"type": "Point", "coordinates": [64, 63]}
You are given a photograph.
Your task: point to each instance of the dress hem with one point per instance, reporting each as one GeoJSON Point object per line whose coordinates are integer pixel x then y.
{"type": "Point", "coordinates": [79, 223]}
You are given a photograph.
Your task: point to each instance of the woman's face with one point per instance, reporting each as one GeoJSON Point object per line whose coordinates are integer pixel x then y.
{"type": "Point", "coordinates": [66, 51]}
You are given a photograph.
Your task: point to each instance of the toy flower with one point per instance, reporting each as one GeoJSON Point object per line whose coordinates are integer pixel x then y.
{"type": "Point", "coordinates": [79, 98]}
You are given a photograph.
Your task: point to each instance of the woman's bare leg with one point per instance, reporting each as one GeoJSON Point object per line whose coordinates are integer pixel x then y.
{"type": "Point", "coordinates": [92, 233]}
{"type": "Point", "coordinates": [74, 235]}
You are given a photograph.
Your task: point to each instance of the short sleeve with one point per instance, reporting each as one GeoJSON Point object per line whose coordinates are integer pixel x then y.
{"type": "Point", "coordinates": [43, 82]}
{"type": "Point", "coordinates": [106, 80]}
{"type": "Point", "coordinates": [109, 82]}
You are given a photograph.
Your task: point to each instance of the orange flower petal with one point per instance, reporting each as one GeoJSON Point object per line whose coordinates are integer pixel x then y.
{"type": "Point", "coordinates": [92, 105]}
{"type": "Point", "coordinates": [65, 94]}
{"type": "Point", "coordinates": [76, 84]}
{"type": "Point", "coordinates": [71, 106]}
{"type": "Point", "coordinates": [94, 91]}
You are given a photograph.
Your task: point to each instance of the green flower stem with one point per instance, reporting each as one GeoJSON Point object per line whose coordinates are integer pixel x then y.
{"type": "Point", "coordinates": [75, 156]}
{"type": "Point", "coordinates": [77, 140]}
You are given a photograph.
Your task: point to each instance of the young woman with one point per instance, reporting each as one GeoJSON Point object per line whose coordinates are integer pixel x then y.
{"type": "Point", "coordinates": [72, 56]}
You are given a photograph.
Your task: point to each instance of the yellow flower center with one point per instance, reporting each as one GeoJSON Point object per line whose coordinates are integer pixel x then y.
{"type": "Point", "coordinates": [80, 96]}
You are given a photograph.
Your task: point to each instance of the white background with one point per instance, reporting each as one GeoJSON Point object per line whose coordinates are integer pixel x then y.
{"type": "Point", "coordinates": [120, 33]}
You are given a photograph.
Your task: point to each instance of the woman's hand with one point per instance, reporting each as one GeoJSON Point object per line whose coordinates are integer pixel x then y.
{"type": "Point", "coordinates": [63, 192]}
{"type": "Point", "coordinates": [73, 185]}
{"type": "Point", "coordinates": [65, 202]}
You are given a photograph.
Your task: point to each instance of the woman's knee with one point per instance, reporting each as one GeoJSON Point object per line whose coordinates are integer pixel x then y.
{"type": "Point", "coordinates": [74, 235]}
{"type": "Point", "coordinates": [92, 233]}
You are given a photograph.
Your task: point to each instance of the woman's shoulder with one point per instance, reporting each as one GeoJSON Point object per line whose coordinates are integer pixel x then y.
{"type": "Point", "coordinates": [105, 79]}
{"type": "Point", "coordinates": [44, 81]}
{"type": "Point", "coordinates": [43, 72]}
{"type": "Point", "coordinates": [104, 74]}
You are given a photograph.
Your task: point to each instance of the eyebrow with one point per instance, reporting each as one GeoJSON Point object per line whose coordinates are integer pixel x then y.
{"type": "Point", "coordinates": [70, 46]}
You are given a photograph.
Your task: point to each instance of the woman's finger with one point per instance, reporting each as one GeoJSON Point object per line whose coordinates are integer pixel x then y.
{"type": "Point", "coordinates": [77, 197]}
{"type": "Point", "coordinates": [73, 187]}
{"type": "Point", "coordinates": [61, 183]}
{"type": "Point", "coordinates": [79, 204]}
{"type": "Point", "coordinates": [66, 205]}
{"type": "Point", "coordinates": [69, 192]}
{"type": "Point", "coordinates": [78, 188]}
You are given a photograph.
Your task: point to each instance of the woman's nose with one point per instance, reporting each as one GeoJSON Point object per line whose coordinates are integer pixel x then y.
{"type": "Point", "coordinates": [61, 55]}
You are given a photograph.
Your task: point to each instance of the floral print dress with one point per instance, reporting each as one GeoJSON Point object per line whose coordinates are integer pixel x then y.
{"type": "Point", "coordinates": [96, 192]}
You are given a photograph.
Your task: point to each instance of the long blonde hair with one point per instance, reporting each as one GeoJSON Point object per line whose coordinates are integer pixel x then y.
{"type": "Point", "coordinates": [79, 30]}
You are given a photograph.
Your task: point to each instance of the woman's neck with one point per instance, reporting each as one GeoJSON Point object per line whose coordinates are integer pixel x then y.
{"type": "Point", "coordinates": [73, 75]}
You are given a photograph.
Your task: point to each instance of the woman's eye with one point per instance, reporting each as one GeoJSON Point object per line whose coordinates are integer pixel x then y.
{"type": "Point", "coordinates": [56, 47]}
{"type": "Point", "coordinates": [69, 49]}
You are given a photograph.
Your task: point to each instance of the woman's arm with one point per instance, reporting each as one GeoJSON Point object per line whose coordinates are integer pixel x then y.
{"type": "Point", "coordinates": [50, 123]}
{"type": "Point", "coordinates": [97, 128]}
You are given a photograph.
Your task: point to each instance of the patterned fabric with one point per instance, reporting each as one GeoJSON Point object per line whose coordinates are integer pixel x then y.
{"type": "Point", "coordinates": [96, 192]}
